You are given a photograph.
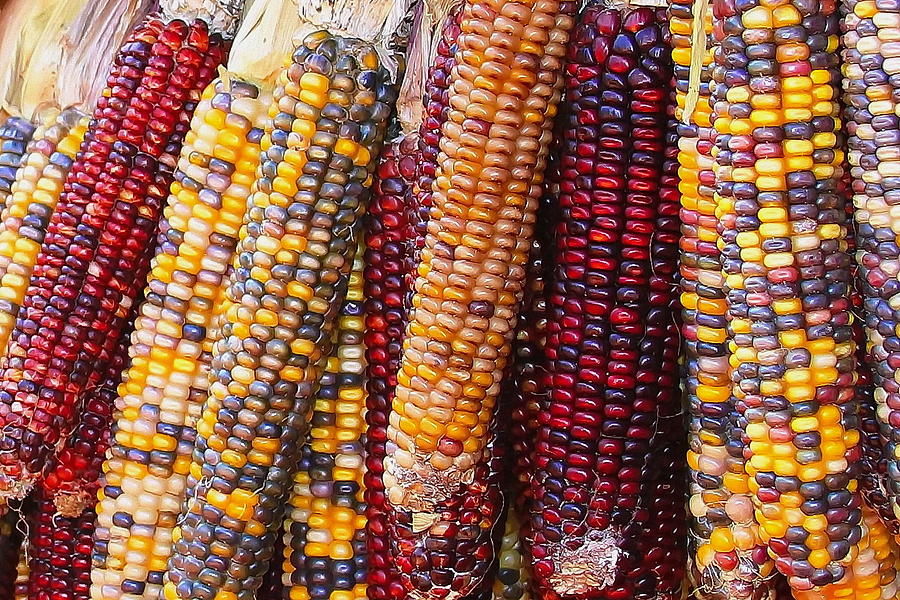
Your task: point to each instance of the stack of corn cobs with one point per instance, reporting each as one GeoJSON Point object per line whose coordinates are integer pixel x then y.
{"type": "Point", "coordinates": [472, 300]}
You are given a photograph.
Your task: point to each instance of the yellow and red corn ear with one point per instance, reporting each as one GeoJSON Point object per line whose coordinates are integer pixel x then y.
{"type": "Point", "coordinates": [471, 279]}
{"type": "Point", "coordinates": [783, 225]}
{"type": "Point", "coordinates": [611, 347]}
{"type": "Point", "coordinates": [15, 133]}
{"type": "Point", "coordinates": [33, 198]}
{"type": "Point", "coordinates": [164, 388]}
{"type": "Point", "coordinates": [72, 477]}
{"type": "Point", "coordinates": [871, 573]}
{"type": "Point", "coordinates": [874, 130]}
{"type": "Point", "coordinates": [291, 274]}
{"type": "Point", "coordinates": [325, 546]}
{"type": "Point", "coordinates": [386, 276]}
{"type": "Point", "coordinates": [727, 557]}
{"type": "Point", "coordinates": [87, 273]}
{"type": "Point", "coordinates": [59, 552]}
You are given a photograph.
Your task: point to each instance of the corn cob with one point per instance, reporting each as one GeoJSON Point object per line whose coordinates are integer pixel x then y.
{"type": "Point", "coordinates": [72, 478]}
{"type": "Point", "coordinates": [15, 133]}
{"type": "Point", "coordinates": [163, 390]}
{"type": "Point", "coordinates": [783, 225]}
{"type": "Point", "coordinates": [728, 558]}
{"type": "Point", "coordinates": [34, 195]}
{"type": "Point", "coordinates": [291, 274]}
{"type": "Point", "coordinates": [873, 466]}
{"type": "Point", "coordinates": [485, 197]}
{"type": "Point", "coordinates": [871, 29]}
{"type": "Point", "coordinates": [325, 530]}
{"type": "Point", "coordinates": [84, 279]}
{"type": "Point", "coordinates": [385, 276]}
{"type": "Point", "coordinates": [589, 501]}
{"type": "Point", "coordinates": [871, 574]}
{"type": "Point", "coordinates": [512, 581]}
{"type": "Point", "coordinates": [59, 552]}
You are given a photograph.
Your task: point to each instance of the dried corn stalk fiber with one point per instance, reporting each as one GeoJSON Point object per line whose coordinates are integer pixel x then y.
{"type": "Point", "coordinates": [87, 273]}
{"type": "Point", "coordinates": [59, 552]}
{"type": "Point", "coordinates": [783, 225]}
{"type": "Point", "coordinates": [874, 138]}
{"type": "Point", "coordinates": [728, 557]}
{"type": "Point", "coordinates": [325, 556]}
{"type": "Point", "coordinates": [471, 279]}
{"type": "Point", "coordinates": [34, 195]}
{"type": "Point", "coordinates": [163, 391]}
{"type": "Point", "coordinates": [610, 316]}
{"type": "Point", "coordinates": [291, 274]}
{"type": "Point", "coordinates": [89, 47]}
{"type": "Point", "coordinates": [385, 277]}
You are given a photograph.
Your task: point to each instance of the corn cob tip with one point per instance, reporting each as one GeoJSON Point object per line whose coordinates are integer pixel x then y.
{"type": "Point", "coordinates": [372, 21]}
{"type": "Point", "coordinates": [72, 503]}
{"type": "Point", "coordinates": [222, 16]}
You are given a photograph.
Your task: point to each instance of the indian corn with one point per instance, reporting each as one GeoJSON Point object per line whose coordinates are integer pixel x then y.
{"type": "Point", "coordinates": [291, 273]}
{"type": "Point", "coordinates": [784, 253]}
{"type": "Point", "coordinates": [610, 312]}
{"type": "Point", "coordinates": [86, 274]}
{"type": "Point", "coordinates": [386, 278]}
{"type": "Point", "coordinates": [325, 527]}
{"type": "Point", "coordinates": [15, 133]}
{"type": "Point", "coordinates": [163, 390]}
{"type": "Point", "coordinates": [33, 197]}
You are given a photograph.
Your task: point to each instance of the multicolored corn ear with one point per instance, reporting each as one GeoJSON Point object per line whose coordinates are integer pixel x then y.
{"type": "Point", "coordinates": [292, 269]}
{"type": "Point", "coordinates": [513, 573]}
{"type": "Point", "coordinates": [610, 313]}
{"type": "Point", "coordinates": [728, 558]}
{"type": "Point", "coordinates": [164, 388]}
{"type": "Point", "coordinates": [874, 136]}
{"type": "Point", "coordinates": [325, 546]}
{"type": "Point", "coordinates": [471, 278]}
{"type": "Point", "coordinates": [872, 573]}
{"type": "Point", "coordinates": [15, 133]}
{"type": "Point", "coordinates": [385, 278]}
{"type": "Point", "coordinates": [784, 251]}
{"type": "Point", "coordinates": [59, 552]}
{"type": "Point", "coordinates": [33, 197]}
{"type": "Point", "coordinates": [86, 275]}
{"type": "Point", "coordinates": [22, 573]}
{"type": "Point", "coordinates": [72, 478]}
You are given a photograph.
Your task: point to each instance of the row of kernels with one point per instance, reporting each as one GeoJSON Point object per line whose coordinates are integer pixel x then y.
{"type": "Point", "coordinates": [325, 526]}
{"type": "Point", "coordinates": [15, 133]}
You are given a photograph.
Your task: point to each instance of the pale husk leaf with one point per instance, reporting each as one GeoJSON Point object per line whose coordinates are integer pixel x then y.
{"type": "Point", "coordinates": [90, 46]}
{"type": "Point", "coordinates": [430, 18]}
{"type": "Point", "coordinates": [264, 41]}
